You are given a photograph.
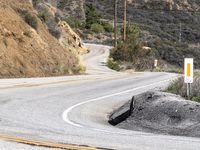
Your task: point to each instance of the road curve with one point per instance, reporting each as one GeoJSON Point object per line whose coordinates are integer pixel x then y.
{"type": "Point", "coordinates": [75, 109]}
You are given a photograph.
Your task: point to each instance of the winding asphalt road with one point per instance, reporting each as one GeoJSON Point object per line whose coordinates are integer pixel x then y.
{"type": "Point", "coordinates": [75, 109]}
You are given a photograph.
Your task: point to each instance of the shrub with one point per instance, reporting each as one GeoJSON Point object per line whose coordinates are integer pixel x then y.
{"type": "Point", "coordinates": [113, 64]}
{"type": "Point", "coordinates": [129, 49]}
{"type": "Point", "coordinates": [63, 69]}
{"type": "Point", "coordinates": [92, 16]}
{"type": "Point", "coordinates": [55, 32]}
{"type": "Point", "coordinates": [132, 51]}
{"type": "Point", "coordinates": [177, 87]}
{"type": "Point", "coordinates": [133, 31]}
{"type": "Point", "coordinates": [97, 28]}
{"type": "Point", "coordinates": [79, 69]}
{"type": "Point", "coordinates": [28, 34]}
{"type": "Point", "coordinates": [45, 15]}
{"type": "Point", "coordinates": [75, 23]}
{"type": "Point", "coordinates": [5, 42]}
{"type": "Point", "coordinates": [107, 26]}
{"type": "Point", "coordinates": [35, 2]}
{"type": "Point", "coordinates": [180, 88]}
{"type": "Point", "coordinates": [31, 20]}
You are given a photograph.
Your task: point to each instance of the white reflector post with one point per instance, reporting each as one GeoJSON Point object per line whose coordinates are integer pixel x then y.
{"type": "Point", "coordinates": [188, 69]}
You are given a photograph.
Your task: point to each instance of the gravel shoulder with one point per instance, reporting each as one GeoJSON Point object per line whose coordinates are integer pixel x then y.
{"type": "Point", "coordinates": [161, 113]}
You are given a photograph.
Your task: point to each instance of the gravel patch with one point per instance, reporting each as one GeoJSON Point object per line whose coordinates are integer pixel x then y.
{"type": "Point", "coordinates": [159, 112]}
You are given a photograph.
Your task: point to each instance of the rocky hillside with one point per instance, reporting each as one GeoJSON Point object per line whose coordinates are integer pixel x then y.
{"type": "Point", "coordinates": [66, 8]}
{"type": "Point", "coordinates": [171, 27]}
{"type": "Point", "coordinates": [27, 48]}
{"type": "Point", "coordinates": [51, 14]}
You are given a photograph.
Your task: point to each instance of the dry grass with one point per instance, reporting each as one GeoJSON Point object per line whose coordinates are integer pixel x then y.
{"type": "Point", "coordinates": [180, 88]}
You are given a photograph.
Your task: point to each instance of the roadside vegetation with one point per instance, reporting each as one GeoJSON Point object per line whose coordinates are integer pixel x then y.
{"type": "Point", "coordinates": [48, 18]}
{"type": "Point", "coordinates": [113, 64]}
{"type": "Point", "coordinates": [31, 20]}
{"type": "Point", "coordinates": [94, 21]}
{"type": "Point", "coordinates": [180, 88]}
{"type": "Point", "coordinates": [171, 34]}
{"type": "Point", "coordinates": [133, 52]}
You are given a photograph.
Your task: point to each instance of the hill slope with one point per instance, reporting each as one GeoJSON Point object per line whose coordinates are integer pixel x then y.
{"type": "Point", "coordinates": [172, 27]}
{"type": "Point", "coordinates": [27, 49]}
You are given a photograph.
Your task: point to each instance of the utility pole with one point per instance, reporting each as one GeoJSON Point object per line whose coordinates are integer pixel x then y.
{"type": "Point", "coordinates": [125, 19]}
{"type": "Point", "coordinates": [115, 22]}
{"type": "Point", "coordinates": [180, 33]}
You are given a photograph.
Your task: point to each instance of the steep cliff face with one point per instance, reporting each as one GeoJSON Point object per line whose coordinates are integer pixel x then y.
{"type": "Point", "coordinates": [27, 49]}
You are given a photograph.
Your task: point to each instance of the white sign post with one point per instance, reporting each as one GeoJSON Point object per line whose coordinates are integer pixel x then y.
{"type": "Point", "coordinates": [155, 63]}
{"type": "Point", "coordinates": [188, 73]}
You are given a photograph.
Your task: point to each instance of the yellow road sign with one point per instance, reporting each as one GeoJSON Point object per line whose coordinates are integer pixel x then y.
{"type": "Point", "coordinates": [188, 69]}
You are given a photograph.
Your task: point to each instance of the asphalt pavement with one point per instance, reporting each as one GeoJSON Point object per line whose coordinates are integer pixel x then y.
{"type": "Point", "coordinates": [75, 109]}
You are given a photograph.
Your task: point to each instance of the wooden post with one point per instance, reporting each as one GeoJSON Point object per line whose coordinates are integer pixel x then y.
{"type": "Point", "coordinates": [115, 22]}
{"type": "Point", "coordinates": [125, 19]}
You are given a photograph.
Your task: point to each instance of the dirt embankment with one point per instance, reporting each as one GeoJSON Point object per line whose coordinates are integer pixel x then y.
{"type": "Point", "coordinates": [159, 112]}
{"type": "Point", "coordinates": [30, 51]}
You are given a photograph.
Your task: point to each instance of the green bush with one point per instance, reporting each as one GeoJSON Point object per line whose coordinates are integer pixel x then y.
{"type": "Point", "coordinates": [31, 20]}
{"type": "Point", "coordinates": [97, 28]}
{"type": "Point", "coordinates": [177, 87]}
{"type": "Point", "coordinates": [35, 2]}
{"type": "Point", "coordinates": [79, 69]}
{"type": "Point", "coordinates": [180, 88]}
{"type": "Point", "coordinates": [107, 26]}
{"type": "Point", "coordinates": [133, 31]}
{"type": "Point", "coordinates": [196, 99]}
{"type": "Point", "coordinates": [45, 15]}
{"type": "Point", "coordinates": [75, 23]}
{"type": "Point", "coordinates": [55, 32]}
{"type": "Point", "coordinates": [92, 16]}
{"type": "Point", "coordinates": [113, 64]}
{"type": "Point", "coordinates": [129, 49]}
{"type": "Point", "coordinates": [62, 4]}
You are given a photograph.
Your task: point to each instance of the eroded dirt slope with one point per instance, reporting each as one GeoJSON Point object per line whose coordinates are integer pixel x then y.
{"type": "Point", "coordinates": [26, 51]}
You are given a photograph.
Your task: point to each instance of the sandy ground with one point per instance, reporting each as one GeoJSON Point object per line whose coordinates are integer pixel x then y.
{"type": "Point", "coordinates": [163, 113]}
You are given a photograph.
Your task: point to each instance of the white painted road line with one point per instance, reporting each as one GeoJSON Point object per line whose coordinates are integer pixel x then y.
{"type": "Point", "coordinates": [65, 115]}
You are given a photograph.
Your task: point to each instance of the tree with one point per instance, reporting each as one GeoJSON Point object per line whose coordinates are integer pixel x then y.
{"type": "Point", "coordinates": [92, 16]}
{"type": "Point", "coordinates": [129, 49]}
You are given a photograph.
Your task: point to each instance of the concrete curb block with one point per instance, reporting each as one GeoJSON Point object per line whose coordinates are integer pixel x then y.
{"type": "Point", "coordinates": [122, 113]}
